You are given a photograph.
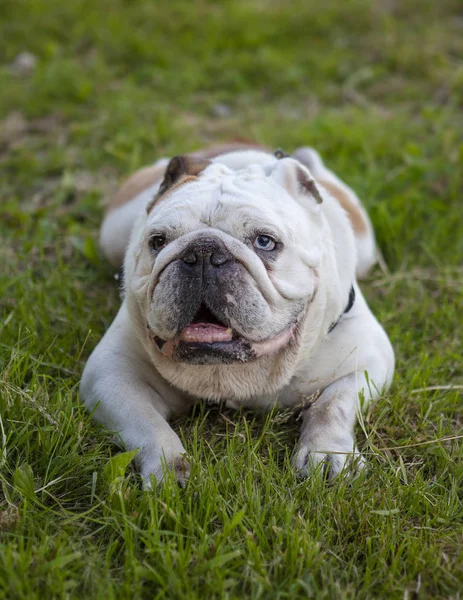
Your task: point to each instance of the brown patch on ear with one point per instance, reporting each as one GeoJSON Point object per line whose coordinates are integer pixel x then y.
{"type": "Point", "coordinates": [180, 170]}
{"type": "Point", "coordinates": [355, 215]}
{"type": "Point", "coordinates": [182, 166]}
{"type": "Point", "coordinates": [308, 185]}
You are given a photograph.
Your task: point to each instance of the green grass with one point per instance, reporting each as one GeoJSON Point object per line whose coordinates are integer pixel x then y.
{"type": "Point", "coordinates": [377, 87]}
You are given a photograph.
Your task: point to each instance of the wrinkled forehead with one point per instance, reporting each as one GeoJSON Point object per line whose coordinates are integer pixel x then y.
{"type": "Point", "coordinates": [220, 195]}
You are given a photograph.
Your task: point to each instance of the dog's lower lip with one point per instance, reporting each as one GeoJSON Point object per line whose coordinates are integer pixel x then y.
{"type": "Point", "coordinates": [204, 334]}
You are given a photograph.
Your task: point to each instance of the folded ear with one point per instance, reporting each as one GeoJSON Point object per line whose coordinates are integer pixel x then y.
{"type": "Point", "coordinates": [296, 179]}
{"type": "Point", "coordinates": [180, 167]}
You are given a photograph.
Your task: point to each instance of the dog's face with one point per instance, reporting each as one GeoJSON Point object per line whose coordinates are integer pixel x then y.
{"type": "Point", "coordinates": [226, 268]}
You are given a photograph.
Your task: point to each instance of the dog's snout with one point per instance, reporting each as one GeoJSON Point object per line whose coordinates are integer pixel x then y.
{"type": "Point", "coordinates": [190, 258]}
{"type": "Point", "coordinates": [206, 250]}
{"type": "Point", "coordinates": [218, 259]}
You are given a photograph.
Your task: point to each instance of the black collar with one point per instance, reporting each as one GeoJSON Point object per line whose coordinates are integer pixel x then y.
{"type": "Point", "coordinates": [350, 304]}
{"type": "Point", "coordinates": [279, 153]}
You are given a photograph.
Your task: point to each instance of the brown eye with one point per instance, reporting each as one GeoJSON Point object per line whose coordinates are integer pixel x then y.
{"type": "Point", "coordinates": [157, 242]}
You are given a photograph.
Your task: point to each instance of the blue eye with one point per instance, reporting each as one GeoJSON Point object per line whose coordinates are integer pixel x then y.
{"type": "Point", "coordinates": [264, 242]}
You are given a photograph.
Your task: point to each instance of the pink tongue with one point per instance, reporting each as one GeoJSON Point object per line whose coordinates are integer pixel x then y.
{"type": "Point", "coordinates": [206, 333]}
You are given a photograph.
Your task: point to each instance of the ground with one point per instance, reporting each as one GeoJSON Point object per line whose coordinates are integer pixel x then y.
{"type": "Point", "coordinates": [377, 87]}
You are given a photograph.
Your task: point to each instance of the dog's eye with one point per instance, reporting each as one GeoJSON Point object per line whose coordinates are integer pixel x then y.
{"type": "Point", "coordinates": [264, 242]}
{"type": "Point", "coordinates": [157, 242]}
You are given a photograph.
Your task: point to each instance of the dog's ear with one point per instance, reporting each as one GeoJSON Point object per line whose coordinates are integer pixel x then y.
{"type": "Point", "coordinates": [296, 179]}
{"type": "Point", "coordinates": [180, 167]}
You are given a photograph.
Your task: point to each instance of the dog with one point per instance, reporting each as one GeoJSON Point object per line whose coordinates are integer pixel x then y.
{"type": "Point", "coordinates": [240, 268]}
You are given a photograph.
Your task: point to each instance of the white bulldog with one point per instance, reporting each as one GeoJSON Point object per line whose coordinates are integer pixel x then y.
{"type": "Point", "coordinates": [240, 286]}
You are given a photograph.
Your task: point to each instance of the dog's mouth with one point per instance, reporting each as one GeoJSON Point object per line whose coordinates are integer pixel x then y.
{"type": "Point", "coordinates": [206, 340]}
{"type": "Point", "coordinates": [206, 328]}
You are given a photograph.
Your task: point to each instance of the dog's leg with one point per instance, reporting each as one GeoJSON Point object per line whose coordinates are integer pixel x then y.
{"type": "Point", "coordinates": [355, 360]}
{"type": "Point", "coordinates": [327, 432]}
{"type": "Point", "coordinates": [118, 384]}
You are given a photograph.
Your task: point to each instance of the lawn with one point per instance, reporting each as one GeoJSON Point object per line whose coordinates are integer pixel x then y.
{"type": "Point", "coordinates": [377, 87]}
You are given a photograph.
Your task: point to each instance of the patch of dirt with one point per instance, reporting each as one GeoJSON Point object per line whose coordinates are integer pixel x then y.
{"type": "Point", "coordinates": [15, 127]}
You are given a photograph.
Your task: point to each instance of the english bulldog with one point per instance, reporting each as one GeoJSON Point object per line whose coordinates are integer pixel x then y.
{"type": "Point", "coordinates": [240, 269]}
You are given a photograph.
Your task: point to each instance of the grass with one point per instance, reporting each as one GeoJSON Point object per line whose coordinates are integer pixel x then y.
{"type": "Point", "coordinates": [377, 87]}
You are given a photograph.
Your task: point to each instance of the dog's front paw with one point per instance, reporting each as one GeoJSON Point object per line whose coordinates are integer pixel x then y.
{"type": "Point", "coordinates": [330, 455]}
{"type": "Point", "coordinates": [155, 470]}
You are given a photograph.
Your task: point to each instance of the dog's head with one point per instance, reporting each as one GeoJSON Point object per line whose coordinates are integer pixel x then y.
{"type": "Point", "coordinates": [224, 270]}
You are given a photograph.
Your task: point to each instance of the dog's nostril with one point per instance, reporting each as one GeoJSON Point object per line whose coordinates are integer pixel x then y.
{"type": "Point", "coordinates": [190, 258]}
{"type": "Point", "coordinates": [218, 259]}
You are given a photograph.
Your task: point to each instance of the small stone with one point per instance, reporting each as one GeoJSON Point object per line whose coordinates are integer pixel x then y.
{"type": "Point", "coordinates": [23, 64]}
{"type": "Point", "coordinates": [12, 128]}
{"type": "Point", "coordinates": [221, 110]}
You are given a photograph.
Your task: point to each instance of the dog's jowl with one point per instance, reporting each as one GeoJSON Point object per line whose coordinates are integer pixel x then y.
{"type": "Point", "coordinates": [240, 270]}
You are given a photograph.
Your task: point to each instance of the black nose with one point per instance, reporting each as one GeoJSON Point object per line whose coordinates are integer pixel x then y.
{"type": "Point", "coordinates": [207, 250]}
